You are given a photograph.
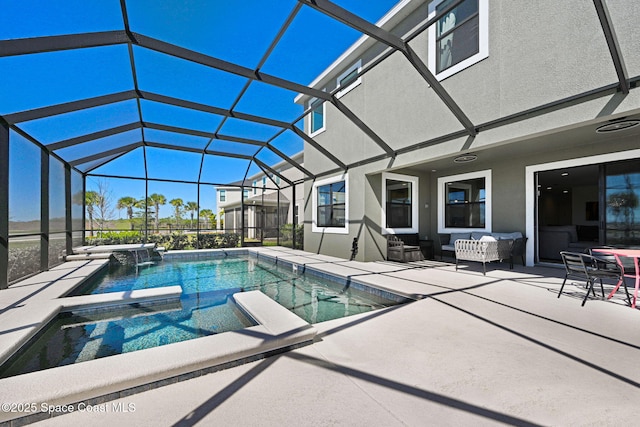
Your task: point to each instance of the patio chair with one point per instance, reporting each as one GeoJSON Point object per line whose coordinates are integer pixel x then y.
{"type": "Point", "coordinates": [398, 250]}
{"type": "Point", "coordinates": [590, 268]}
{"type": "Point", "coordinates": [483, 251]}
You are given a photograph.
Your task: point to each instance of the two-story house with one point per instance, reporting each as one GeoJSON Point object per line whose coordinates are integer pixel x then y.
{"type": "Point", "coordinates": [479, 115]}
{"type": "Point", "coordinates": [267, 200]}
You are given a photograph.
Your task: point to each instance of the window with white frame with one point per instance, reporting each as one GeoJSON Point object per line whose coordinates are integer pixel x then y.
{"type": "Point", "coordinates": [264, 181]}
{"type": "Point", "coordinates": [460, 38]}
{"type": "Point", "coordinates": [316, 118]}
{"type": "Point", "coordinates": [464, 202]}
{"type": "Point", "coordinates": [245, 194]}
{"type": "Point", "coordinates": [331, 205]}
{"type": "Point", "coordinates": [255, 185]}
{"type": "Point", "coordinates": [222, 195]}
{"type": "Point", "coordinates": [399, 203]}
{"type": "Point", "coordinates": [349, 79]}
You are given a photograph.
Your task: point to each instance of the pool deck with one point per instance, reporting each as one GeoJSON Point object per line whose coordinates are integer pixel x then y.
{"type": "Point", "coordinates": [473, 350]}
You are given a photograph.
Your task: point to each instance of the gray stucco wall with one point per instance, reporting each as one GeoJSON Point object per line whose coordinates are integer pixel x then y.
{"type": "Point", "coordinates": [539, 52]}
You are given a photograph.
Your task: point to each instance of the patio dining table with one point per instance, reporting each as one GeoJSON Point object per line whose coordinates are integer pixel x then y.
{"type": "Point", "coordinates": [630, 253]}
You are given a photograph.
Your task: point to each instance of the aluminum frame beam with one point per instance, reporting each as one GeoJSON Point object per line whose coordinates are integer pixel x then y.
{"type": "Point", "coordinates": [68, 209]}
{"type": "Point", "coordinates": [4, 204]}
{"type": "Point", "coordinates": [93, 136]}
{"type": "Point", "coordinates": [107, 160]}
{"type": "Point", "coordinates": [44, 210]}
{"type": "Point", "coordinates": [85, 40]}
{"type": "Point", "coordinates": [32, 45]}
{"type": "Point", "coordinates": [69, 107]}
{"type": "Point", "coordinates": [197, 150]}
{"type": "Point", "coordinates": [107, 153]}
{"type": "Point", "coordinates": [612, 44]}
{"type": "Point", "coordinates": [240, 140]}
{"type": "Point", "coordinates": [264, 166]}
{"type": "Point", "coordinates": [219, 64]}
{"type": "Point", "coordinates": [150, 96]}
{"type": "Point", "coordinates": [290, 161]}
{"type": "Point", "coordinates": [318, 147]}
{"type": "Point", "coordinates": [342, 15]}
{"type": "Point", "coordinates": [176, 129]}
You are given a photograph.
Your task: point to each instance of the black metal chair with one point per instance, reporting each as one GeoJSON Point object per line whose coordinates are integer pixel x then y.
{"type": "Point", "coordinates": [518, 249]}
{"type": "Point", "coordinates": [590, 268]}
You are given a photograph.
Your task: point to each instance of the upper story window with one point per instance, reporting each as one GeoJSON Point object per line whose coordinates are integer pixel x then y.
{"type": "Point", "coordinates": [245, 194]}
{"type": "Point", "coordinates": [465, 202]}
{"type": "Point", "coordinates": [331, 205]}
{"type": "Point", "coordinates": [400, 203]}
{"type": "Point", "coordinates": [316, 121]}
{"type": "Point", "coordinates": [460, 38]}
{"type": "Point", "coordinates": [264, 181]}
{"type": "Point", "coordinates": [349, 79]}
{"type": "Point", "coordinates": [222, 195]}
{"type": "Point", "coordinates": [255, 187]}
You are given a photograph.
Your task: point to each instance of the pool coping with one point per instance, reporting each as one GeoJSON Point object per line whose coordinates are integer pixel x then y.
{"type": "Point", "coordinates": [45, 311]}
{"type": "Point", "coordinates": [101, 380]}
{"type": "Point", "coordinates": [354, 274]}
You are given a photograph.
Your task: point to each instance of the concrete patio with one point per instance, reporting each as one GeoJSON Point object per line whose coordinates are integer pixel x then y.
{"type": "Point", "coordinates": [476, 350]}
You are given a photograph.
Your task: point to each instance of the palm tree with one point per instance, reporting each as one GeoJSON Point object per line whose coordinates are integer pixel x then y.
{"type": "Point", "coordinates": [208, 216]}
{"type": "Point", "coordinates": [157, 200]}
{"type": "Point", "coordinates": [128, 203]}
{"type": "Point", "coordinates": [177, 205]}
{"type": "Point", "coordinates": [91, 199]}
{"type": "Point", "coordinates": [192, 207]}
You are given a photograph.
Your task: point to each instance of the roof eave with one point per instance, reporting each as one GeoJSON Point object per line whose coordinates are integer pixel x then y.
{"type": "Point", "coordinates": [392, 18]}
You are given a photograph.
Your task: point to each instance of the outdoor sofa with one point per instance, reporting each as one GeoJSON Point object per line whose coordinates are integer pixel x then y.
{"type": "Point", "coordinates": [517, 248]}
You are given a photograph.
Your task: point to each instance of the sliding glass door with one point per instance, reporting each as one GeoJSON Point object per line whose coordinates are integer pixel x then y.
{"type": "Point", "coordinates": [585, 206]}
{"type": "Point", "coordinates": [622, 200]}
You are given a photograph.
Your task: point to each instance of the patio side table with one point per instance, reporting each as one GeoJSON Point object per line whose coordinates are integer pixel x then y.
{"type": "Point", "coordinates": [426, 246]}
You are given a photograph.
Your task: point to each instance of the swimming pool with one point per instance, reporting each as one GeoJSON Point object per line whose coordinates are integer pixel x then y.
{"type": "Point", "coordinates": [313, 298]}
{"type": "Point", "coordinates": [92, 334]}
{"type": "Point", "coordinates": [206, 307]}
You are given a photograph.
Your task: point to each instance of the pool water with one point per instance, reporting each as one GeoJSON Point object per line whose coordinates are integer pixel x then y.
{"type": "Point", "coordinates": [205, 307]}
{"type": "Point", "coordinates": [81, 336]}
{"type": "Point", "coordinates": [313, 298]}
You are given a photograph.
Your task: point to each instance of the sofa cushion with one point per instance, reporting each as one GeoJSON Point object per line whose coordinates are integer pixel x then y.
{"type": "Point", "coordinates": [507, 236]}
{"type": "Point", "coordinates": [477, 235]}
{"type": "Point", "coordinates": [488, 238]}
{"type": "Point", "coordinates": [456, 236]}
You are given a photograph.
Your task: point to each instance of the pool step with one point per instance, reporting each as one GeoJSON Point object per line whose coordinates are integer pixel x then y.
{"type": "Point", "coordinates": [88, 256]}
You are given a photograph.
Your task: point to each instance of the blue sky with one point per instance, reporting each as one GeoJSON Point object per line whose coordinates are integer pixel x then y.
{"type": "Point", "coordinates": [238, 32]}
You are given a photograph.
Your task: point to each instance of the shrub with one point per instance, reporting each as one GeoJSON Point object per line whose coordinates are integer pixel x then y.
{"type": "Point", "coordinates": [286, 235]}
{"type": "Point", "coordinates": [23, 261]}
{"type": "Point", "coordinates": [174, 241]}
{"type": "Point", "coordinates": [178, 241]}
{"type": "Point", "coordinates": [115, 238]}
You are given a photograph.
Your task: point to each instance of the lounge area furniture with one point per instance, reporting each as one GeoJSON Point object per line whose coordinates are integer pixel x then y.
{"type": "Point", "coordinates": [485, 250]}
{"type": "Point", "coordinates": [404, 248]}
{"type": "Point", "coordinates": [590, 268]}
{"type": "Point", "coordinates": [553, 239]}
{"type": "Point", "coordinates": [447, 242]}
